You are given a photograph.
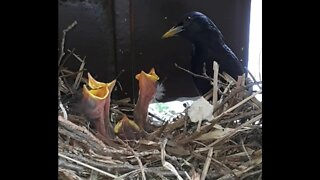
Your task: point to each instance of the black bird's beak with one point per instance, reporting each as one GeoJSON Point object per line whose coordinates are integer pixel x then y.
{"type": "Point", "coordinates": [172, 32]}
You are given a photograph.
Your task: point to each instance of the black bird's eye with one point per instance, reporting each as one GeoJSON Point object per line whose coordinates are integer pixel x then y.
{"type": "Point", "coordinates": [188, 19]}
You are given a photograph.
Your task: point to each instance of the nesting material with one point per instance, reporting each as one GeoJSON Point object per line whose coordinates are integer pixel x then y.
{"type": "Point", "coordinates": [227, 145]}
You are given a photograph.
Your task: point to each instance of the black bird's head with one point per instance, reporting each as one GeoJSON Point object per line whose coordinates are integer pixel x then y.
{"type": "Point", "coordinates": [195, 27]}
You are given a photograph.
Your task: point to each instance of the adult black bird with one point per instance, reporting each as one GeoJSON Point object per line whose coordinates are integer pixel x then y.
{"type": "Point", "coordinates": [208, 45]}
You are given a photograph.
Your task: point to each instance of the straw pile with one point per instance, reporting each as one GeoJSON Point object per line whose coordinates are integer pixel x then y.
{"type": "Point", "coordinates": [228, 146]}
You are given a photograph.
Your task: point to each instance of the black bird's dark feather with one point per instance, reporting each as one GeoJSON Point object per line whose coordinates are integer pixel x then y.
{"type": "Point", "coordinates": [208, 46]}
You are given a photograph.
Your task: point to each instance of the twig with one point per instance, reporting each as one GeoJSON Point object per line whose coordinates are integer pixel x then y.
{"type": "Point", "coordinates": [65, 82]}
{"type": "Point", "coordinates": [93, 175]}
{"type": "Point", "coordinates": [64, 32]}
{"type": "Point", "coordinates": [65, 115]}
{"type": "Point", "coordinates": [204, 70]}
{"type": "Point", "coordinates": [260, 53]}
{"type": "Point", "coordinates": [222, 148]}
{"type": "Point", "coordinates": [235, 106]}
{"type": "Point", "coordinates": [158, 132]}
{"type": "Point", "coordinates": [200, 143]}
{"type": "Point", "coordinates": [165, 163]}
{"type": "Point", "coordinates": [199, 125]}
{"type": "Point", "coordinates": [120, 86]}
{"type": "Point", "coordinates": [125, 101]}
{"type": "Point", "coordinates": [228, 177]}
{"type": "Point", "coordinates": [64, 112]}
{"type": "Point", "coordinates": [187, 175]}
{"type": "Point", "coordinates": [72, 74]}
{"type": "Point", "coordinates": [136, 156]}
{"type": "Point", "coordinates": [256, 102]}
{"type": "Point", "coordinates": [128, 173]}
{"type": "Point", "coordinates": [195, 175]}
{"type": "Point", "coordinates": [209, 94]}
{"type": "Point", "coordinates": [161, 176]}
{"type": "Point", "coordinates": [80, 74]}
{"type": "Point", "coordinates": [206, 164]}
{"type": "Point", "coordinates": [193, 74]}
{"type": "Point", "coordinates": [61, 88]}
{"type": "Point", "coordinates": [220, 166]}
{"type": "Point", "coordinates": [260, 177]}
{"type": "Point", "coordinates": [231, 133]}
{"type": "Point", "coordinates": [243, 115]}
{"type": "Point", "coordinates": [253, 78]}
{"type": "Point", "coordinates": [156, 117]}
{"type": "Point", "coordinates": [176, 161]}
{"type": "Point", "coordinates": [232, 94]}
{"type": "Point", "coordinates": [239, 173]}
{"type": "Point", "coordinates": [215, 83]}
{"type": "Point", "coordinates": [116, 111]}
{"type": "Point", "coordinates": [155, 170]}
{"type": "Point", "coordinates": [68, 165]}
{"type": "Point", "coordinates": [245, 150]}
{"type": "Point", "coordinates": [224, 167]}
{"type": "Point", "coordinates": [251, 174]}
{"type": "Point", "coordinates": [173, 158]}
{"type": "Point", "coordinates": [196, 134]}
{"type": "Point", "coordinates": [65, 60]}
{"type": "Point", "coordinates": [103, 159]}
{"type": "Point", "coordinates": [177, 124]}
{"type": "Point", "coordinates": [102, 165]}
{"type": "Point", "coordinates": [123, 167]}
{"type": "Point", "coordinates": [159, 170]}
{"type": "Point", "coordinates": [60, 82]}
{"type": "Point", "coordinates": [69, 174]}
{"type": "Point", "coordinates": [88, 166]}
{"type": "Point", "coordinates": [129, 153]}
{"type": "Point", "coordinates": [79, 133]}
{"type": "Point", "coordinates": [225, 92]}
{"type": "Point", "coordinates": [76, 56]}
{"type": "Point", "coordinates": [121, 71]}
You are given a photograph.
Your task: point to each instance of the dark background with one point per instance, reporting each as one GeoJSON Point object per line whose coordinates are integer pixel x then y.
{"type": "Point", "coordinates": [126, 34]}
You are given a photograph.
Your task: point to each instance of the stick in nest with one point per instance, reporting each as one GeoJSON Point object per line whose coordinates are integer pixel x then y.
{"type": "Point", "coordinates": [232, 94]}
{"type": "Point", "coordinates": [64, 32]}
{"type": "Point", "coordinates": [231, 133]}
{"type": "Point", "coordinates": [72, 74]}
{"type": "Point", "coordinates": [193, 74]}
{"type": "Point", "coordinates": [206, 164]}
{"type": "Point", "coordinates": [224, 93]}
{"type": "Point", "coordinates": [88, 166]}
{"type": "Point", "coordinates": [81, 133]}
{"type": "Point", "coordinates": [241, 115]}
{"type": "Point", "coordinates": [250, 174]}
{"type": "Point", "coordinates": [65, 60]}
{"type": "Point", "coordinates": [76, 56]}
{"type": "Point", "coordinates": [245, 150]}
{"type": "Point", "coordinates": [253, 78]}
{"type": "Point", "coordinates": [64, 112]}
{"type": "Point", "coordinates": [80, 74]}
{"type": "Point", "coordinates": [214, 90]}
{"type": "Point", "coordinates": [237, 105]}
{"type": "Point", "coordinates": [219, 165]}
{"type": "Point", "coordinates": [165, 163]}
{"type": "Point", "coordinates": [207, 128]}
{"type": "Point", "coordinates": [215, 84]}
{"type": "Point", "coordinates": [68, 174]}
{"type": "Point", "coordinates": [136, 156]}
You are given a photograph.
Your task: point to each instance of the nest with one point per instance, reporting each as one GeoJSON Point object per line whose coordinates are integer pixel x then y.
{"type": "Point", "coordinates": [228, 146]}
